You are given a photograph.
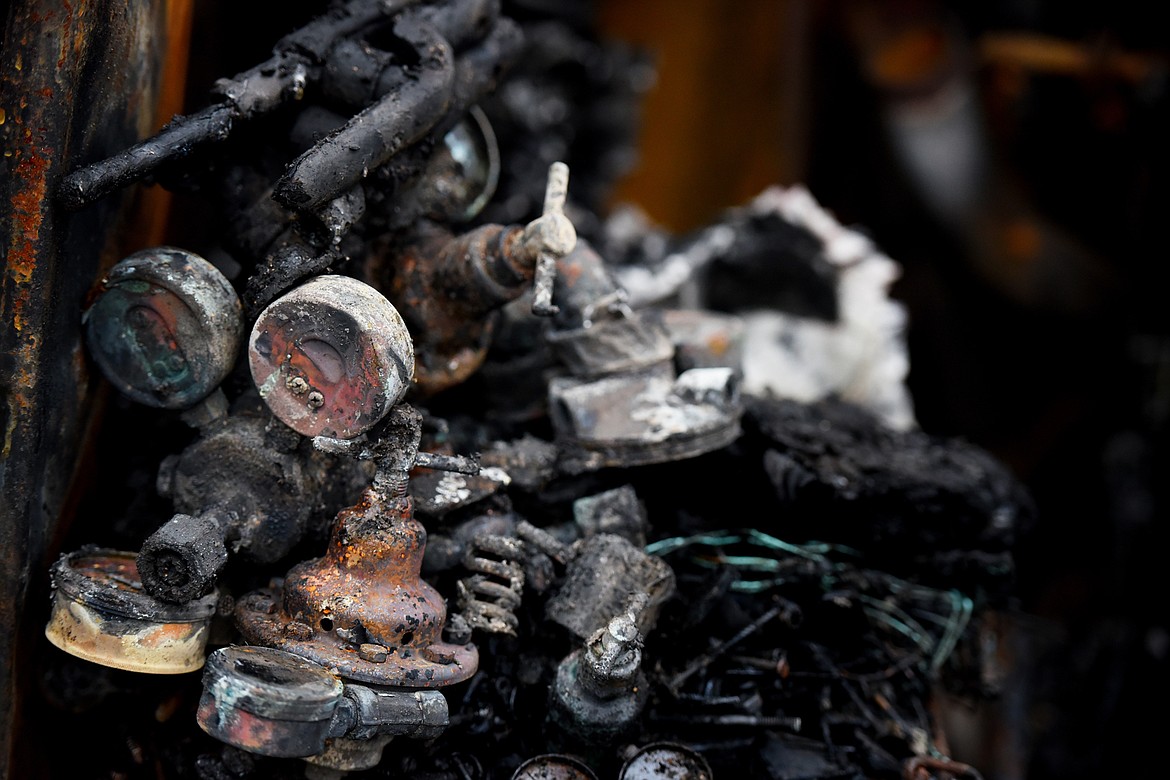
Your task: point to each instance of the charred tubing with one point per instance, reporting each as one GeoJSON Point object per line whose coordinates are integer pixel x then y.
{"type": "Point", "coordinates": [315, 40]}
{"type": "Point", "coordinates": [368, 140]}
{"type": "Point", "coordinates": [176, 140]}
{"type": "Point", "coordinates": [248, 93]}
{"type": "Point", "coordinates": [357, 74]}
{"type": "Point", "coordinates": [478, 71]}
{"type": "Point", "coordinates": [461, 22]}
{"type": "Point", "coordinates": [181, 560]}
{"type": "Point", "coordinates": [489, 598]}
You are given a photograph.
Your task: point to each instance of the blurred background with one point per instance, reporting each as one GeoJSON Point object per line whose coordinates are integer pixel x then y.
{"type": "Point", "coordinates": [1011, 155]}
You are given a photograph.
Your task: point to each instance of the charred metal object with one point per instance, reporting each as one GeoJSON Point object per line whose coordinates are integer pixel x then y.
{"type": "Point", "coordinates": [363, 608]}
{"type": "Point", "coordinates": [275, 703]}
{"type": "Point", "coordinates": [245, 486]}
{"type": "Point", "coordinates": [268, 701]}
{"type": "Point", "coordinates": [554, 766]}
{"type": "Point", "coordinates": [623, 404]}
{"type": "Point", "coordinates": [666, 761]}
{"type": "Point", "coordinates": [450, 288]}
{"type": "Point", "coordinates": [600, 689]}
{"type": "Point", "coordinates": [164, 327]}
{"type": "Point", "coordinates": [101, 613]}
{"type": "Point", "coordinates": [331, 357]}
{"type": "Point", "coordinates": [489, 597]}
{"type": "Point", "coordinates": [363, 612]}
{"type": "Point", "coordinates": [762, 656]}
{"type": "Point", "coordinates": [599, 581]}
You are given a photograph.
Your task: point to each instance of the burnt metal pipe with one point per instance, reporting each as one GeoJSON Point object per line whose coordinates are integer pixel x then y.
{"type": "Point", "coordinates": [295, 61]}
{"type": "Point", "coordinates": [368, 140]}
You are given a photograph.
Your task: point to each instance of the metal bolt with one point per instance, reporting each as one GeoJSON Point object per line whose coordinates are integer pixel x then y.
{"type": "Point", "coordinates": [316, 400]}
{"type": "Point", "coordinates": [298, 631]}
{"type": "Point", "coordinates": [297, 384]}
{"type": "Point", "coordinates": [375, 654]}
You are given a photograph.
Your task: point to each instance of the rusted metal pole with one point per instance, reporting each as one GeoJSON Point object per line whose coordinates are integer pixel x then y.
{"type": "Point", "coordinates": [65, 73]}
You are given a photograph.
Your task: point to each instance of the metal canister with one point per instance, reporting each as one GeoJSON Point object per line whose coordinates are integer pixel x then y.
{"type": "Point", "coordinates": [101, 613]}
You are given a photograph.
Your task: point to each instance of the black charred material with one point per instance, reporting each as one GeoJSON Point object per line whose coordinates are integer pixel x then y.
{"type": "Point", "coordinates": [261, 89]}
{"type": "Point", "coordinates": [600, 580]}
{"type": "Point", "coordinates": [616, 511]}
{"type": "Point", "coordinates": [770, 263]}
{"type": "Point", "coordinates": [176, 141]}
{"type": "Point", "coordinates": [181, 560]}
{"type": "Point", "coordinates": [368, 140]}
{"type": "Point", "coordinates": [941, 510]}
{"type": "Point", "coordinates": [287, 264]}
{"type": "Point", "coordinates": [570, 97]}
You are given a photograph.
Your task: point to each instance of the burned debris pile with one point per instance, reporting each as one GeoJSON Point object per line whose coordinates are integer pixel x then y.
{"type": "Point", "coordinates": [463, 478]}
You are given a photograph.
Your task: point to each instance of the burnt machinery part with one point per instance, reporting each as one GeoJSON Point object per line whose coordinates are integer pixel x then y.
{"type": "Point", "coordinates": [600, 689]}
{"type": "Point", "coordinates": [165, 327]}
{"type": "Point", "coordinates": [666, 761]}
{"type": "Point", "coordinates": [100, 613]}
{"type": "Point", "coordinates": [489, 598]}
{"type": "Point", "coordinates": [363, 609]}
{"type": "Point", "coordinates": [268, 701]}
{"type": "Point", "coordinates": [554, 766]}
{"type": "Point", "coordinates": [182, 559]}
{"type": "Point", "coordinates": [331, 357]}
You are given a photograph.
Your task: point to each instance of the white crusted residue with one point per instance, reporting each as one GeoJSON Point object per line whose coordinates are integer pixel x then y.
{"type": "Point", "coordinates": [452, 489]}
{"type": "Point", "coordinates": [862, 357]}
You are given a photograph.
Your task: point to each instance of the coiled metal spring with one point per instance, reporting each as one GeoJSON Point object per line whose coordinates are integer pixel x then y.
{"type": "Point", "coordinates": [488, 598]}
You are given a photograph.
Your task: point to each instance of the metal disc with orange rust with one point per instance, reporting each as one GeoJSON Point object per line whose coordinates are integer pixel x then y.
{"type": "Point", "coordinates": [331, 357]}
{"type": "Point", "coordinates": [101, 613]}
{"type": "Point", "coordinates": [165, 327]}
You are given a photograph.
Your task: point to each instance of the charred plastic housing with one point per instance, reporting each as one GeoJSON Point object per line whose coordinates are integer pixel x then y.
{"type": "Point", "coordinates": [465, 464]}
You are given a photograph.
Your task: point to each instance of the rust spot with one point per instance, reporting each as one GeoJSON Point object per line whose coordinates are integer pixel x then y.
{"type": "Point", "coordinates": [27, 216]}
{"type": "Point", "coordinates": [719, 344]}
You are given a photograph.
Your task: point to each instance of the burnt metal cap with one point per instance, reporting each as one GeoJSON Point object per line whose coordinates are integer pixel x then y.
{"type": "Point", "coordinates": [666, 761]}
{"type": "Point", "coordinates": [268, 701]}
{"type": "Point", "coordinates": [331, 357]}
{"type": "Point", "coordinates": [165, 327]}
{"type": "Point", "coordinates": [273, 683]}
{"type": "Point", "coordinates": [101, 614]}
{"type": "Point", "coordinates": [553, 766]}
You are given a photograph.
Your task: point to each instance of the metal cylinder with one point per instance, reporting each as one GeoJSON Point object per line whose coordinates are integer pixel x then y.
{"type": "Point", "coordinates": [181, 560]}
{"type": "Point", "coordinates": [101, 614]}
{"type": "Point", "coordinates": [331, 357]}
{"type": "Point", "coordinates": [666, 761]}
{"type": "Point", "coordinates": [165, 327]}
{"type": "Point", "coordinates": [268, 701]}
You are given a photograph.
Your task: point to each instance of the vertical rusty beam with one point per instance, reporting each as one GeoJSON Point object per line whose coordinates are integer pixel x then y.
{"type": "Point", "coordinates": [78, 80]}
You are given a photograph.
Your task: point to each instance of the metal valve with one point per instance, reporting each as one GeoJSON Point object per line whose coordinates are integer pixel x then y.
{"type": "Point", "coordinates": [362, 609]}
{"type": "Point", "coordinates": [549, 238]}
